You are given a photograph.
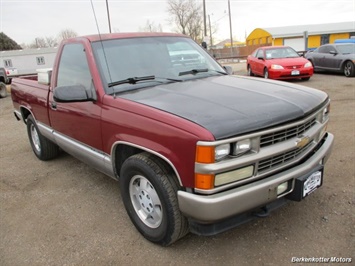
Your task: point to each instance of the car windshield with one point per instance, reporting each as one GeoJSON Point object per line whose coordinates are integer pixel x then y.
{"type": "Point", "coordinates": [125, 64]}
{"type": "Point", "coordinates": [346, 49]}
{"type": "Point", "coordinates": [285, 52]}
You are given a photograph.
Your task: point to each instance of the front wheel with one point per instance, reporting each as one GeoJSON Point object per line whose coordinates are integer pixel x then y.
{"type": "Point", "coordinates": [305, 79]}
{"type": "Point", "coordinates": [266, 73]}
{"type": "Point", "coordinates": [3, 91]}
{"type": "Point", "coordinates": [250, 72]}
{"type": "Point", "coordinates": [42, 147]}
{"type": "Point", "coordinates": [349, 70]}
{"type": "Point", "coordinates": [149, 193]}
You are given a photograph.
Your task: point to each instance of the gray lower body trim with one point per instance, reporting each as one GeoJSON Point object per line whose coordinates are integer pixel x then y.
{"type": "Point", "coordinates": [212, 208]}
{"type": "Point", "coordinates": [88, 155]}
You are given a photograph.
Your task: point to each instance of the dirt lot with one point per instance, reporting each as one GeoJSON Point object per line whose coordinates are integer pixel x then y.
{"type": "Point", "coordinates": [63, 212]}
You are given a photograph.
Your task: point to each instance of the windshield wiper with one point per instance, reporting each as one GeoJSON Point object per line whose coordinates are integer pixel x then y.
{"type": "Point", "coordinates": [170, 79]}
{"type": "Point", "coordinates": [193, 71]}
{"type": "Point", "coordinates": [132, 80]}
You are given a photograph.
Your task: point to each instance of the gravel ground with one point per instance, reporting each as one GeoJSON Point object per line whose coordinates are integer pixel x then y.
{"type": "Point", "coordinates": [63, 212]}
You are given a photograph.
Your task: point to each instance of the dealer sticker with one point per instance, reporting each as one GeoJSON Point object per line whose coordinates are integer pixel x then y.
{"type": "Point", "coordinates": [312, 183]}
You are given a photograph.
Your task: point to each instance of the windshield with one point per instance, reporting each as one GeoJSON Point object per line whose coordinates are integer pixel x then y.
{"type": "Point", "coordinates": [346, 49]}
{"type": "Point", "coordinates": [164, 59]}
{"type": "Point", "coordinates": [286, 52]}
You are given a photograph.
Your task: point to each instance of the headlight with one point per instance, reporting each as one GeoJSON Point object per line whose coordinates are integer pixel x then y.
{"type": "Point", "coordinates": [276, 67]}
{"type": "Point", "coordinates": [242, 147]}
{"type": "Point", "coordinates": [325, 113]}
{"type": "Point", "coordinates": [308, 64]}
{"type": "Point", "coordinates": [221, 151]}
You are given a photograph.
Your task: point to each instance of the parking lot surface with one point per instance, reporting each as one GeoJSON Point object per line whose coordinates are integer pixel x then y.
{"type": "Point", "coordinates": [63, 212]}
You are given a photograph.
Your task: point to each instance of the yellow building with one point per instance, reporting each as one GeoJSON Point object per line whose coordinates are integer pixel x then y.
{"type": "Point", "coordinates": [302, 37]}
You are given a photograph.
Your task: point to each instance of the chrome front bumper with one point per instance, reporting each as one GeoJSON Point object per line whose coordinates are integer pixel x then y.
{"type": "Point", "coordinates": [216, 207]}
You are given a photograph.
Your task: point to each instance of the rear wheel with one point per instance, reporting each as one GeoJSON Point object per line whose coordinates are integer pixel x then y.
{"type": "Point", "coordinates": [3, 91]}
{"type": "Point", "coordinates": [250, 72]}
{"type": "Point", "coordinates": [349, 70]}
{"type": "Point", "coordinates": [149, 193]}
{"type": "Point", "coordinates": [266, 73]}
{"type": "Point", "coordinates": [42, 147]}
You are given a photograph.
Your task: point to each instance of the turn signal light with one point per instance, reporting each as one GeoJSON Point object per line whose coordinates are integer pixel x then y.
{"type": "Point", "coordinates": [205, 154]}
{"type": "Point", "coordinates": [204, 181]}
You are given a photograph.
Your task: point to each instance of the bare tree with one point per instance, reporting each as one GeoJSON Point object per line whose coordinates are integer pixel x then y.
{"type": "Point", "coordinates": [151, 27]}
{"type": "Point", "coordinates": [41, 42]}
{"type": "Point", "coordinates": [187, 16]}
{"type": "Point", "coordinates": [51, 42]}
{"type": "Point", "coordinates": [38, 42]}
{"type": "Point", "coordinates": [66, 34]}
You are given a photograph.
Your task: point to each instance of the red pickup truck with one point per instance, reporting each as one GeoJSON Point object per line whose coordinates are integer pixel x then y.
{"type": "Point", "coordinates": [194, 148]}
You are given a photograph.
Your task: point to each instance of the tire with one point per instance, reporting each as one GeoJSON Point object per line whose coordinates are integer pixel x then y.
{"type": "Point", "coordinates": [3, 91]}
{"type": "Point", "coordinates": [305, 79]}
{"type": "Point", "coordinates": [250, 73]}
{"type": "Point", "coordinates": [42, 147]}
{"type": "Point", "coordinates": [266, 73]}
{"type": "Point", "coordinates": [349, 70]}
{"type": "Point", "coordinates": [149, 193]}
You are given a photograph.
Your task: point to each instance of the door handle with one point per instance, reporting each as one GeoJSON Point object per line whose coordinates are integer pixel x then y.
{"type": "Point", "coordinates": [53, 105]}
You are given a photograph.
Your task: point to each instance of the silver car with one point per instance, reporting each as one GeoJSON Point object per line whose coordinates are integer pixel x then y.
{"type": "Point", "coordinates": [338, 57]}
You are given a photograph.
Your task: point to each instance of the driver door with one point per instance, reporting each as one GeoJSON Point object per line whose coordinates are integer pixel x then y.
{"type": "Point", "coordinates": [76, 121]}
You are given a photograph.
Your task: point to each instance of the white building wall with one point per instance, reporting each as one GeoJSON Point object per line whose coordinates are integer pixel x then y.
{"type": "Point", "coordinates": [26, 61]}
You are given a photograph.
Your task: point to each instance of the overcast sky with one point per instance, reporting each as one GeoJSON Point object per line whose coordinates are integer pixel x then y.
{"type": "Point", "coordinates": [24, 20]}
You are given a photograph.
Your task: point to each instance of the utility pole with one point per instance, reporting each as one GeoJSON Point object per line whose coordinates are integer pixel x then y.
{"type": "Point", "coordinates": [230, 27]}
{"type": "Point", "coordinates": [108, 16]}
{"type": "Point", "coordinates": [204, 18]}
{"type": "Point", "coordinates": [209, 22]}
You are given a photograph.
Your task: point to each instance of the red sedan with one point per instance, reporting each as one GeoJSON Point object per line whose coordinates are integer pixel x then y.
{"type": "Point", "coordinates": [278, 62]}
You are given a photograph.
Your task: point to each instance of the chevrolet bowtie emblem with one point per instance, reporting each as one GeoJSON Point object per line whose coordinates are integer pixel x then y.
{"type": "Point", "coordinates": [301, 142]}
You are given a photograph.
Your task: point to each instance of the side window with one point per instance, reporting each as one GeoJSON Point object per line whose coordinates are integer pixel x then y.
{"type": "Point", "coordinates": [40, 60]}
{"type": "Point", "coordinates": [260, 54]}
{"type": "Point", "coordinates": [7, 63]}
{"type": "Point", "coordinates": [73, 67]}
{"type": "Point", "coordinates": [324, 49]}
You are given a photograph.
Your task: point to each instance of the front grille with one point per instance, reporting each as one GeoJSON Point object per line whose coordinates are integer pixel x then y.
{"type": "Point", "coordinates": [293, 67]}
{"type": "Point", "coordinates": [283, 135]}
{"type": "Point", "coordinates": [281, 159]}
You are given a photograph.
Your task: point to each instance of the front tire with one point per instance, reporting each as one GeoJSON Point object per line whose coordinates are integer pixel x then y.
{"type": "Point", "coordinates": [42, 147]}
{"type": "Point", "coordinates": [349, 70]}
{"type": "Point", "coordinates": [266, 73]}
{"type": "Point", "coordinates": [305, 79]}
{"type": "Point", "coordinates": [250, 72]}
{"type": "Point", "coordinates": [149, 193]}
{"type": "Point", "coordinates": [3, 91]}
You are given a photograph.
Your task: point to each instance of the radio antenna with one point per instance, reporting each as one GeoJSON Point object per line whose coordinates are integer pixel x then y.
{"type": "Point", "coordinates": [102, 45]}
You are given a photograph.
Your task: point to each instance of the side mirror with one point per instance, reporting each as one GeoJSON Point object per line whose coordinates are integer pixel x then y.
{"type": "Point", "coordinates": [261, 58]}
{"type": "Point", "coordinates": [204, 45]}
{"type": "Point", "coordinates": [228, 69]}
{"type": "Point", "coordinates": [333, 52]}
{"type": "Point", "coordinates": [74, 93]}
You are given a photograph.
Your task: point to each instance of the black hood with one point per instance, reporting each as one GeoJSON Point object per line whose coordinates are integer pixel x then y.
{"type": "Point", "coordinates": [228, 105]}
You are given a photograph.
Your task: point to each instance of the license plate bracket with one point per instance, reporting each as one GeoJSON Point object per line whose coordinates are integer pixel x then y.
{"type": "Point", "coordinates": [307, 184]}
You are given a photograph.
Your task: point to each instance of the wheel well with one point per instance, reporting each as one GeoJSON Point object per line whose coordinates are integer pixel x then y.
{"type": "Point", "coordinates": [2, 79]}
{"type": "Point", "coordinates": [25, 113]}
{"type": "Point", "coordinates": [343, 65]}
{"type": "Point", "coordinates": [123, 151]}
